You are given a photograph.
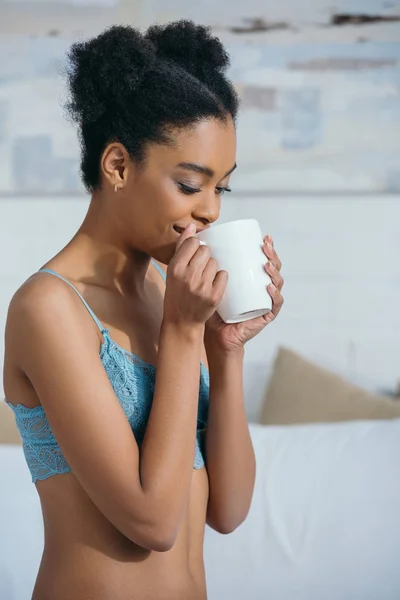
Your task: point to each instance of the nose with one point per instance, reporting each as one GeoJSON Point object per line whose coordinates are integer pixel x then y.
{"type": "Point", "coordinates": [207, 208]}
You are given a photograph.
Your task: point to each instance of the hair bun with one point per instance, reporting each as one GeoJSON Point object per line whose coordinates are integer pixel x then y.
{"type": "Point", "coordinates": [191, 46]}
{"type": "Point", "coordinates": [106, 68]}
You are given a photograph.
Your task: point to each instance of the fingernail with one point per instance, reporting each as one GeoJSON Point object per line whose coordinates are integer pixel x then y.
{"type": "Point", "coordinates": [271, 266]}
{"type": "Point", "coordinates": [272, 288]}
{"type": "Point", "coordinates": [191, 228]}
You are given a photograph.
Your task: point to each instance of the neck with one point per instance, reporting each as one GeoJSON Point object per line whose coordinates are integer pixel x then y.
{"type": "Point", "coordinates": [99, 254]}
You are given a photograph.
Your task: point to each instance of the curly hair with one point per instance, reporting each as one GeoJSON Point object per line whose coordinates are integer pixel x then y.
{"type": "Point", "coordinates": [134, 88]}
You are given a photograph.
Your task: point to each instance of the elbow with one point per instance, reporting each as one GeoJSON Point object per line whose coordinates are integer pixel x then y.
{"type": "Point", "coordinates": [225, 524]}
{"type": "Point", "coordinates": [224, 528]}
{"type": "Point", "coordinates": [151, 524]}
{"type": "Point", "coordinates": [162, 542]}
{"type": "Point", "coordinates": [159, 537]}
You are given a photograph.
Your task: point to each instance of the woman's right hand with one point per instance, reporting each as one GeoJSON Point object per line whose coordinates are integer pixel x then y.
{"type": "Point", "coordinates": [195, 286]}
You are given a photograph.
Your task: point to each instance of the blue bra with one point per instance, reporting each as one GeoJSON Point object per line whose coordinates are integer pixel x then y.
{"type": "Point", "coordinates": [133, 381]}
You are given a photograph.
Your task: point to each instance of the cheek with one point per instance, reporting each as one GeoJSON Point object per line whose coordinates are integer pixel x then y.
{"type": "Point", "coordinates": [154, 208]}
{"type": "Point", "coordinates": [166, 204]}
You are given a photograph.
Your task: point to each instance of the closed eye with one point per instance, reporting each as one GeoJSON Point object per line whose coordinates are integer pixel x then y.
{"type": "Point", "coordinates": [222, 190]}
{"type": "Point", "coordinates": [186, 189]}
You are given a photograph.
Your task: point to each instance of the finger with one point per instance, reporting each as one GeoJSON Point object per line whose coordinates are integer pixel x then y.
{"type": "Point", "coordinates": [275, 275]}
{"type": "Point", "coordinates": [210, 271]}
{"type": "Point", "coordinates": [268, 239]}
{"type": "Point", "coordinates": [186, 233]}
{"type": "Point", "coordinates": [219, 286]}
{"type": "Point", "coordinates": [270, 253]}
{"type": "Point", "coordinates": [277, 299]}
{"type": "Point", "coordinates": [200, 258]}
{"type": "Point", "coordinates": [269, 317]}
{"type": "Point", "coordinates": [186, 251]}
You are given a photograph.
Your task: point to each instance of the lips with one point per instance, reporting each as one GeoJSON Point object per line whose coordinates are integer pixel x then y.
{"type": "Point", "coordinates": [180, 230]}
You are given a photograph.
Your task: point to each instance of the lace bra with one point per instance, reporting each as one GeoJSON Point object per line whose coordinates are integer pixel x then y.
{"type": "Point", "coordinates": [133, 381]}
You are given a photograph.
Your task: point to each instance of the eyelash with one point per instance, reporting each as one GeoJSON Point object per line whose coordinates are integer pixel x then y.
{"type": "Point", "coordinates": [222, 190]}
{"type": "Point", "coordinates": [185, 189]}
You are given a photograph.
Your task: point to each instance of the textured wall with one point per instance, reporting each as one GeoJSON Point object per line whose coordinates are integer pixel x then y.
{"type": "Point", "coordinates": [321, 95]}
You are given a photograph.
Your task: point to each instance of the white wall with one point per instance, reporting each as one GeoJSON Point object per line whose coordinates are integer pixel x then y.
{"type": "Point", "coordinates": [341, 268]}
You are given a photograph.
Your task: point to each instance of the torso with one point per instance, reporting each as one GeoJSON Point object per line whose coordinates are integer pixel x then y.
{"type": "Point", "coordinates": [85, 557]}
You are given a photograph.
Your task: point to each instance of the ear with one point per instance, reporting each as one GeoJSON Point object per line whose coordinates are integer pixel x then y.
{"type": "Point", "coordinates": [115, 164]}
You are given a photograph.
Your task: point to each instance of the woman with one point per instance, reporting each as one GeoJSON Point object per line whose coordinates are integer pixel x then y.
{"type": "Point", "coordinates": [124, 514]}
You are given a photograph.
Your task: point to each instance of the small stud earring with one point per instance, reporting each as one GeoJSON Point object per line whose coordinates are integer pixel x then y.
{"type": "Point", "coordinates": [116, 187]}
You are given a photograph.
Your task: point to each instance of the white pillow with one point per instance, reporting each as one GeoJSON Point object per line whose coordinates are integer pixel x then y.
{"type": "Point", "coordinates": [325, 518]}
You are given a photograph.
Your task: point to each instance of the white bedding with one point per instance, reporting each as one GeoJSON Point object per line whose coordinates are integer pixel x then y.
{"type": "Point", "coordinates": [324, 523]}
{"type": "Point", "coordinates": [325, 518]}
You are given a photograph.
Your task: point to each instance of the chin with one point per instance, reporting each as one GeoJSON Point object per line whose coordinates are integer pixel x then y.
{"type": "Point", "coordinates": [164, 254]}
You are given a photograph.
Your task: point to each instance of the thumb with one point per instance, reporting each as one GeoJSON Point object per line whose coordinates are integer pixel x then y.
{"type": "Point", "coordinates": [187, 233]}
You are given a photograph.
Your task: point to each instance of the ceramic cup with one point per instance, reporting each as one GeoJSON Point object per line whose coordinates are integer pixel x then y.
{"type": "Point", "coordinates": [237, 248]}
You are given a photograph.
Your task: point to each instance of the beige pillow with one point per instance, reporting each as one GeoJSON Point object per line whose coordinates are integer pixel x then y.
{"type": "Point", "coordinates": [8, 430]}
{"type": "Point", "coordinates": [301, 392]}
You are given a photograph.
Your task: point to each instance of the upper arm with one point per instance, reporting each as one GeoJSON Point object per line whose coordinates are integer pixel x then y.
{"type": "Point", "coordinates": [58, 350]}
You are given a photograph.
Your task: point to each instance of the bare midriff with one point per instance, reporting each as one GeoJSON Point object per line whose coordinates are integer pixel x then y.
{"type": "Point", "coordinates": [86, 558]}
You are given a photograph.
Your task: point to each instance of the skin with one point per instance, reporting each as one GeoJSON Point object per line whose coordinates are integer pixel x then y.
{"type": "Point", "coordinates": [124, 525]}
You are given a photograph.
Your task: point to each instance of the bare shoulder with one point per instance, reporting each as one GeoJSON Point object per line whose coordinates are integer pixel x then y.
{"type": "Point", "coordinates": [42, 304]}
{"type": "Point", "coordinates": [38, 293]}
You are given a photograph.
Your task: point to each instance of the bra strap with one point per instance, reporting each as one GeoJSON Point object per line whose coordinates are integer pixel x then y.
{"type": "Point", "coordinates": [160, 270]}
{"type": "Point", "coordinates": [95, 319]}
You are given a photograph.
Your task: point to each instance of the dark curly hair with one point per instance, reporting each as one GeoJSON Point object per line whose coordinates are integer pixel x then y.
{"type": "Point", "coordinates": [134, 88]}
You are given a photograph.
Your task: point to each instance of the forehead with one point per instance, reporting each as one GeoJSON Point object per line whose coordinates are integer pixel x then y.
{"type": "Point", "coordinates": [211, 143]}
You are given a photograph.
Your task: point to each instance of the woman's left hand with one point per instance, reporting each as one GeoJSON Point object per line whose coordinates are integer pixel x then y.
{"type": "Point", "coordinates": [233, 336]}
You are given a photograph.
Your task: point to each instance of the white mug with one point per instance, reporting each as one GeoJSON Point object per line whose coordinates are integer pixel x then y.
{"type": "Point", "coordinates": [237, 248]}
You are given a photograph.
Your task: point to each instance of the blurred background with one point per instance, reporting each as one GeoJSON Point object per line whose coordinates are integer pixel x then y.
{"type": "Point", "coordinates": [319, 167]}
{"type": "Point", "coordinates": [319, 160]}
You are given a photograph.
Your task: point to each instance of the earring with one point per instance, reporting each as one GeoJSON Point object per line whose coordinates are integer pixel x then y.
{"type": "Point", "coordinates": [116, 187]}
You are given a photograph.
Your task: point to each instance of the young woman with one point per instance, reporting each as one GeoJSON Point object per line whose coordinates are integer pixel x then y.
{"type": "Point", "coordinates": [134, 444]}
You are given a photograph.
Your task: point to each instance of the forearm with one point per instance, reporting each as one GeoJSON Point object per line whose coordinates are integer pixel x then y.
{"type": "Point", "coordinates": [229, 450]}
{"type": "Point", "coordinates": [167, 452]}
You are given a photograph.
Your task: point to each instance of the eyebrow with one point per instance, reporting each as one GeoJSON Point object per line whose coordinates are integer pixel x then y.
{"type": "Point", "coordinates": [203, 170]}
